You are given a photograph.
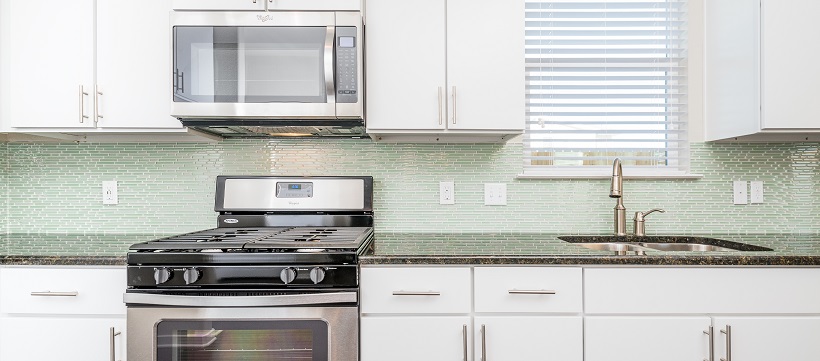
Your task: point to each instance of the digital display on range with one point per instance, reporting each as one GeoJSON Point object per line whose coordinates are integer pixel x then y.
{"type": "Point", "coordinates": [294, 190]}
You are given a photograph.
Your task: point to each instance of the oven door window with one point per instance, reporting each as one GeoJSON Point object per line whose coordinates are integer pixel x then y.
{"type": "Point", "coordinates": [232, 64]}
{"type": "Point", "coordinates": [248, 340]}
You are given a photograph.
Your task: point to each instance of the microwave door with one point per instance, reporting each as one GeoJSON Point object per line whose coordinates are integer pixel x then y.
{"type": "Point", "coordinates": [254, 72]}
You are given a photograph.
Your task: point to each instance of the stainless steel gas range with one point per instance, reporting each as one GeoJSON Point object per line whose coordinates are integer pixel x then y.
{"type": "Point", "coordinates": [276, 280]}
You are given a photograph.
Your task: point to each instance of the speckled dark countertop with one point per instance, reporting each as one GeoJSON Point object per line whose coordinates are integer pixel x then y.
{"type": "Point", "coordinates": [529, 248]}
{"type": "Point", "coordinates": [67, 249]}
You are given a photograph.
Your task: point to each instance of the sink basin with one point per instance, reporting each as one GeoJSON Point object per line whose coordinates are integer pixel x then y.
{"type": "Point", "coordinates": [686, 247]}
{"type": "Point", "coordinates": [623, 244]}
{"type": "Point", "coordinates": [618, 248]}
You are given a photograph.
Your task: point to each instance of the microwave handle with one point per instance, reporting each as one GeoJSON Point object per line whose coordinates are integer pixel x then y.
{"type": "Point", "coordinates": [240, 301]}
{"type": "Point", "coordinates": [330, 38]}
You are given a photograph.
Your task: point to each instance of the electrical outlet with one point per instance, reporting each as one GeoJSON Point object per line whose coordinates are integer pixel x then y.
{"type": "Point", "coordinates": [446, 193]}
{"type": "Point", "coordinates": [756, 193]}
{"type": "Point", "coordinates": [109, 192]}
{"type": "Point", "coordinates": [740, 192]}
{"type": "Point", "coordinates": [495, 194]}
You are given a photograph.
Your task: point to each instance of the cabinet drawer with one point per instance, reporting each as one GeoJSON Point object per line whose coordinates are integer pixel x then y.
{"type": "Point", "coordinates": [415, 290]}
{"type": "Point", "coordinates": [702, 290]}
{"type": "Point", "coordinates": [62, 291]}
{"type": "Point", "coordinates": [528, 289]}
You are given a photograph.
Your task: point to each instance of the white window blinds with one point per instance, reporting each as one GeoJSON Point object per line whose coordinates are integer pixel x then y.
{"type": "Point", "coordinates": [606, 79]}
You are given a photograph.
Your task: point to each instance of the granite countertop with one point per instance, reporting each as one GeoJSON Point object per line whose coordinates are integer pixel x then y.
{"type": "Point", "coordinates": [438, 249]}
{"type": "Point", "coordinates": [68, 249]}
{"type": "Point", "coordinates": [532, 248]}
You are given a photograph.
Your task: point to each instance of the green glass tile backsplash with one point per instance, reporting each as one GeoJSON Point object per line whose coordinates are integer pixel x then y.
{"type": "Point", "coordinates": [168, 188]}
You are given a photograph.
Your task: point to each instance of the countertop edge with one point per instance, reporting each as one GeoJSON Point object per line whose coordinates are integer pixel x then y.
{"type": "Point", "coordinates": [595, 260]}
{"type": "Point", "coordinates": [58, 260]}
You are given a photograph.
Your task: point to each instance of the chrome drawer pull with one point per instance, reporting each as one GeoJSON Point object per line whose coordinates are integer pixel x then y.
{"type": "Point", "coordinates": [532, 292]}
{"type": "Point", "coordinates": [59, 294]}
{"type": "Point", "coordinates": [710, 333]}
{"type": "Point", "coordinates": [416, 293]}
{"type": "Point", "coordinates": [112, 334]}
{"type": "Point", "coordinates": [728, 333]}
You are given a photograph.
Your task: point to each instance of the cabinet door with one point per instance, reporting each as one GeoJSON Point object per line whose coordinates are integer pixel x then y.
{"type": "Point", "coordinates": [133, 65]}
{"type": "Point", "coordinates": [414, 338]}
{"type": "Point", "coordinates": [769, 338]}
{"type": "Point", "coordinates": [646, 338]}
{"type": "Point", "coordinates": [528, 338]}
{"type": "Point", "coordinates": [61, 338]}
{"type": "Point", "coordinates": [789, 64]}
{"type": "Point", "coordinates": [405, 65]}
{"type": "Point", "coordinates": [50, 56]}
{"type": "Point", "coordinates": [218, 4]}
{"type": "Point", "coordinates": [485, 64]}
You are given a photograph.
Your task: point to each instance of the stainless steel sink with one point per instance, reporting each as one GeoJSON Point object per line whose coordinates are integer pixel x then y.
{"type": "Point", "coordinates": [623, 245]}
{"type": "Point", "coordinates": [686, 247]}
{"type": "Point", "coordinates": [618, 248]}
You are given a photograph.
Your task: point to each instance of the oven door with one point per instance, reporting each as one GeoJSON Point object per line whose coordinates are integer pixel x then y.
{"type": "Point", "coordinates": [227, 328]}
{"type": "Point", "coordinates": [253, 65]}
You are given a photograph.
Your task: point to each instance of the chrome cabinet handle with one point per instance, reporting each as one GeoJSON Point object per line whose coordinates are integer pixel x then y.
{"type": "Point", "coordinates": [454, 104]}
{"type": "Point", "coordinates": [709, 333]}
{"type": "Point", "coordinates": [464, 340]}
{"type": "Point", "coordinates": [97, 94]}
{"type": "Point", "coordinates": [416, 293]}
{"type": "Point", "coordinates": [439, 106]}
{"type": "Point", "coordinates": [532, 292]}
{"type": "Point", "coordinates": [55, 294]}
{"type": "Point", "coordinates": [728, 333]}
{"type": "Point", "coordinates": [112, 347]}
{"type": "Point", "coordinates": [182, 82]}
{"type": "Point", "coordinates": [483, 343]}
{"type": "Point", "coordinates": [83, 93]}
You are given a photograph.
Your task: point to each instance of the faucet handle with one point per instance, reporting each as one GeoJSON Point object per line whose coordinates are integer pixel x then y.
{"type": "Point", "coordinates": [639, 216]}
{"type": "Point", "coordinates": [638, 221]}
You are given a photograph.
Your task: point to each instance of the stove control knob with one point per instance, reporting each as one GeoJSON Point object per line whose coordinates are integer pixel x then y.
{"type": "Point", "coordinates": [288, 274]}
{"type": "Point", "coordinates": [317, 274]}
{"type": "Point", "coordinates": [191, 275]}
{"type": "Point", "coordinates": [162, 275]}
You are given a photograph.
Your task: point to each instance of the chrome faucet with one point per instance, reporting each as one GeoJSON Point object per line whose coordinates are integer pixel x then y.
{"type": "Point", "coordinates": [616, 191]}
{"type": "Point", "coordinates": [639, 222]}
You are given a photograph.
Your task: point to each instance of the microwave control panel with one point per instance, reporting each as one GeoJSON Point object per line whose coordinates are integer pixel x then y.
{"type": "Point", "coordinates": [347, 73]}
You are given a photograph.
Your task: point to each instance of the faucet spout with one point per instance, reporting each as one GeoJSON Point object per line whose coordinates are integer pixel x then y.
{"type": "Point", "coordinates": [617, 181]}
{"type": "Point", "coordinates": [616, 191]}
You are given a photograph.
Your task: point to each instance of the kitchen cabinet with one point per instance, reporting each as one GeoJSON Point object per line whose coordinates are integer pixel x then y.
{"type": "Point", "coordinates": [261, 5]}
{"type": "Point", "coordinates": [445, 71]}
{"type": "Point", "coordinates": [768, 338]}
{"type": "Point", "coordinates": [646, 338]}
{"type": "Point", "coordinates": [62, 313]}
{"type": "Point", "coordinates": [662, 313]}
{"type": "Point", "coordinates": [760, 72]}
{"type": "Point", "coordinates": [471, 313]}
{"type": "Point", "coordinates": [101, 67]}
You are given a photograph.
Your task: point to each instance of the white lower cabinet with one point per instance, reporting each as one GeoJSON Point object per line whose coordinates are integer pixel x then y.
{"type": "Point", "coordinates": [646, 338]}
{"type": "Point", "coordinates": [61, 338]}
{"type": "Point", "coordinates": [62, 313]}
{"type": "Point", "coordinates": [768, 338]}
{"type": "Point", "coordinates": [471, 314]}
{"type": "Point", "coordinates": [528, 338]}
{"type": "Point", "coordinates": [402, 338]}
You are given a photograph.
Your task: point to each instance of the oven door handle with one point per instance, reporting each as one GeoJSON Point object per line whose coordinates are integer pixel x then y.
{"type": "Point", "coordinates": [240, 301]}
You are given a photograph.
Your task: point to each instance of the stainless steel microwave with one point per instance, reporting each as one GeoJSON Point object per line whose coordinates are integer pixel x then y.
{"type": "Point", "coordinates": [267, 68]}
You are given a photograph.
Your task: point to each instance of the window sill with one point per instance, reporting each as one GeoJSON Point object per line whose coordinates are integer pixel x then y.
{"type": "Point", "coordinates": [607, 174]}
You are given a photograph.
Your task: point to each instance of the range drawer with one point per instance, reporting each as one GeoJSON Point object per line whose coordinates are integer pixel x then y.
{"type": "Point", "coordinates": [528, 289]}
{"type": "Point", "coordinates": [32, 290]}
{"type": "Point", "coordinates": [415, 290]}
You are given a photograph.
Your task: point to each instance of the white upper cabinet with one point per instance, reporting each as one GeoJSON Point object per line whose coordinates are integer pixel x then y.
{"type": "Point", "coordinates": [133, 65]}
{"type": "Point", "coordinates": [99, 71]}
{"type": "Point", "coordinates": [48, 63]}
{"type": "Point", "coordinates": [445, 70]}
{"type": "Point", "coordinates": [761, 70]}
{"type": "Point", "coordinates": [259, 5]}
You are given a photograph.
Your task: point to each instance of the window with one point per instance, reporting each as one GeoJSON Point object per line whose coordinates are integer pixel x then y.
{"type": "Point", "coordinates": [606, 79]}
